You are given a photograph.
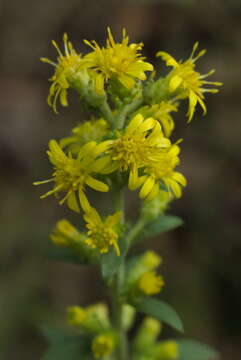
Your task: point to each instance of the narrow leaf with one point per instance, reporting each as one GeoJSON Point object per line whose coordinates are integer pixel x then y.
{"type": "Point", "coordinates": [194, 350]}
{"type": "Point", "coordinates": [161, 224]}
{"type": "Point", "coordinates": [65, 254]}
{"type": "Point", "coordinates": [161, 311]}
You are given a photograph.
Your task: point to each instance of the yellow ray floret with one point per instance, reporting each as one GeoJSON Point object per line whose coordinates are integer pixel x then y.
{"type": "Point", "coordinates": [142, 141]}
{"type": "Point", "coordinates": [102, 234]}
{"type": "Point", "coordinates": [163, 171]}
{"type": "Point", "coordinates": [66, 68]}
{"type": "Point", "coordinates": [150, 283]}
{"type": "Point", "coordinates": [186, 82]}
{"type": "Point", "coordinates": [122, 61]}
{"type": "Point", "coordinates": [72, 175]}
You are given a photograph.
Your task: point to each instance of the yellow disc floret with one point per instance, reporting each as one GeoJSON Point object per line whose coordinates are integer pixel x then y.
{"type": "Point", "coordinates": [186, 81]}
{"type": "Point", "coordinates": [150, 283]}
{"type": "Point", "coordinates": [102, 233]}
{"type": "Point", "coordinates": [122, 61]}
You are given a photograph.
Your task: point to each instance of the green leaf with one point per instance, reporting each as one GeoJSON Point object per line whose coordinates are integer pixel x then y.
{"type": "Point", "coordinates": [65, 346]}
{"type": "Point", "coordinates": [65, 254]}
{"type": "Point", "coordinates": [194, 350]}
{"type": "Point", "coordinates": [161, 224]}
{"type": "Point", "coordinates": [161, 311]}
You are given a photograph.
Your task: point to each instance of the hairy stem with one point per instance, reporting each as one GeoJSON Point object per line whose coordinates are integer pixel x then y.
{"type": "Point", "coordinates": [126, 110]}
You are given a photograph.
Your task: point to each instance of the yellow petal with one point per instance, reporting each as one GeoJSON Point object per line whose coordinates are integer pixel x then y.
{"type": "Point", "coordinates": [147, 187]}
{"type": "Point", "coordinates": [96, 184]}
{"type": "Point", "coordinates": [134, 123]}
{"type": "Point", "coordinates": [170, 61]}
{"type": "Point", "coordinates": [72, 202]}
{"type": "Point", "coordinates": [63, 97]}
{"type": "Point", "coordinates": [175, 82]}
{"type": "Point", "coordinates": [84, 201]}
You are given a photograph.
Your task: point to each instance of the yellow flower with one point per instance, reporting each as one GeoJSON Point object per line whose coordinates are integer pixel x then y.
{"type": "Point", "coordinates": [167, 350]}
{"type": "Point", "coordinates": [93, 318]}
{"type": "Point", "coordinates": [92, 130]}
{"type": "Point", "coordinates": [65, 233]}
{"type": "Point", "coordinates": [117, 60]}
{"type": "Point", "coordinates": [76, 315]}
{"type": "Point", "coordinates": [147, 335]}
{"type": "Point", "coordinates": [103, 345]}
{"type": "Point", "coordinates": [161, 112]}
{"type": "Point", "coordinates": [102, 233]}
{"type": "Point", "coordinates": [141, 142]}
{"type": "Point", "coordinates": [150, 283]}
{"type": "Point", "coordinates": [72, 175]}
{"type": "Point", "coordinates": [187, 82]}
{"type": "Point", "coordinates": [151, 326]}
{"type": "Point", "coordinates": [151, 260]}
{"type": "Point", "coordinates": [66, 69]}
{"type": "Point", "coordinates": [163, 171]}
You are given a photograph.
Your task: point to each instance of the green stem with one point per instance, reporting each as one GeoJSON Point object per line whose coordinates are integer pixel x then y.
{"type": "Point", "coordinates": [118, 300]}
{"type": "Point", "coordinates": [125, 111]}
{"type": "Point", "coordinates": [135, 231]}
{"type": "Point", "coordinates": [106, 113]}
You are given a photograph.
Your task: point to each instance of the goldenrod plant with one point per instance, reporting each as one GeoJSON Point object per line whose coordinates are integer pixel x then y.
{"type": "Point", "coordinates": [126, 143]}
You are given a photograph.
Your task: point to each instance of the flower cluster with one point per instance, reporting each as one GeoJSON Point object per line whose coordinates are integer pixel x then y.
{"type": "Point", "coordinates": [127, 144]}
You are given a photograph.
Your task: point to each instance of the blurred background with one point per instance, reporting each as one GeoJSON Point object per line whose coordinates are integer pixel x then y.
{"type": "Point", "coordinates": [202, 264]}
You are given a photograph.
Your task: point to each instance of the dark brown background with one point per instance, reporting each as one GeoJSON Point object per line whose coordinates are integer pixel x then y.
{"type": "Point", "coordinates": [201, 259]}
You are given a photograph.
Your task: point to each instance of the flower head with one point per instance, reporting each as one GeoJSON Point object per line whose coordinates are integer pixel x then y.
{"type": "Point", "coordinates": [102, 233]}
{"type": "Point", "coordinates": [92, 319]}
{"type": "Point", "coordinates": [147, 334]}
{"type": "Point", "coordinates": [151, 260]}
{"type": "Point", "coordinates": [65, 233]}
{"type": "Point", "coordinates": [150, 283]}
{"type": "Point", "coordinates": [163, 171]}
{"type": "Point", "coordinates": [142, 141]}
{"type": "Point", "coordinates": [67, 68]}
{"type": "Point", "coordinates": [161, 112]}
{"type": "Point", "coordinates": [72, 175]}
{"type": "Point", "coordinates": [76, 315]}
{"type": "Point", "coordinates": [92, 130]}
{"type": "Point", "coordinates": [103, 345]}
{"type": "Point", "coordinates": [120, 61]}
{"type": "Point", "coordinates": [186, 81]}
